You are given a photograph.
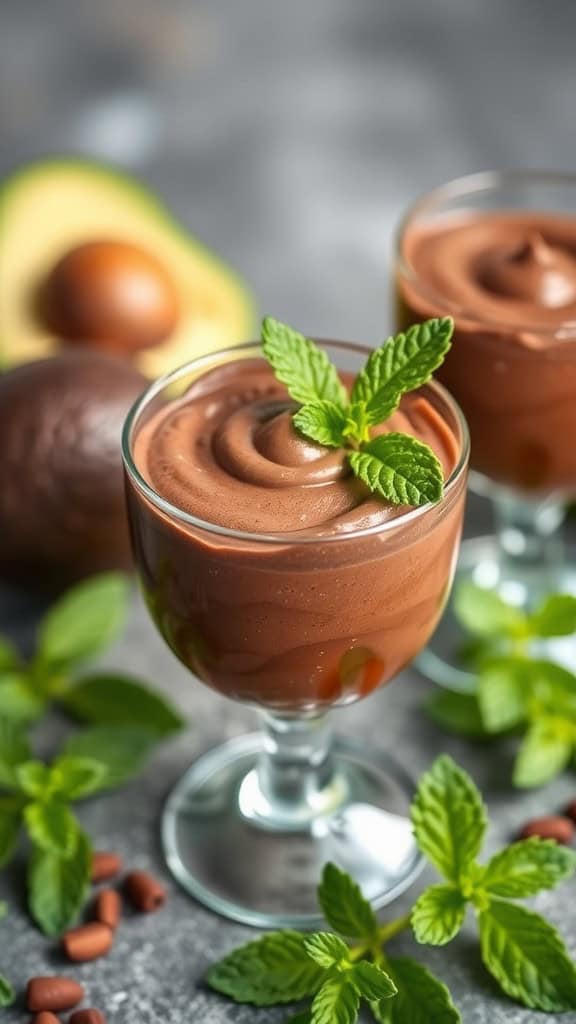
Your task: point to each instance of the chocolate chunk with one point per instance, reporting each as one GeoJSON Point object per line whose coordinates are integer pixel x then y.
{"type": "Point", "coordinates": [107, 908]}
{"type": "Point", "coordinates": [88, 942]}
{"type": "Point", "coordinates": [53, 993]}
{"type": "Point", "coordinates": [144, 891]}
{"type": "Point", "coordinates": [105, 865]}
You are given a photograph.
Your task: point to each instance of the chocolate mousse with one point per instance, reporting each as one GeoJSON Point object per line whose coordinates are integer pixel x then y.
{"type": "Point", "coordinates": [509, 281]}
{"type": "Point", "coordinates": [330, 590]}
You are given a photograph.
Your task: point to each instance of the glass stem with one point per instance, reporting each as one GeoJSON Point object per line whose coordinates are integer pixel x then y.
{"type": "Point", "coordinates": [295, 781]}
{"type": "Point", "coordinates": [530, 542]}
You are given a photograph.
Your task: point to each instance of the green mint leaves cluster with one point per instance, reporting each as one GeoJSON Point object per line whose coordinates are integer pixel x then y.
{"type": "Point", "coordinates": [521, 950]}
{"type": "Point", "coordinates": [395, 466]}
{"type": "Point", "coordinates": [79, 626]}
{"type": "Point", "coordinates": [338, 973]}
{"type": "Point", "coordinates": [516, 689]}
{"type": "Point", "coordinates": [126, 720]}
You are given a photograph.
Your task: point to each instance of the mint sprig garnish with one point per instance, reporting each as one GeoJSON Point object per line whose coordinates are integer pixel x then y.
{"type": "Point", "coordinates": [80, 625]}
{"type": "Point", "coordinates": [515, 689]}
{"type": "Point", "coordinates": [396, 466]}
{"type": "Point", "coordinates": [522, 951]}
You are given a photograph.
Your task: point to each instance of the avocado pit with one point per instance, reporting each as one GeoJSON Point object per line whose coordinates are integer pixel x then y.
{"type": "Point", "coordinates": [111, 295]}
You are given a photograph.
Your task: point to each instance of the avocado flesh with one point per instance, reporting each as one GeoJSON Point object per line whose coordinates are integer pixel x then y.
{"type": "Point", "coordinates": [51, 207]}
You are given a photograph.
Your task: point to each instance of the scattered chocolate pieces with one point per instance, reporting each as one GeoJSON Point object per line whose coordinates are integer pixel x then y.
{"type": "Point", "coordinates": [553, 826]}
{"type": "Point", "coordinates": [571, 810]}
{"type": "Point", "coordinates": [53, 993]}
{"type": "Point", "coordinates": [144, 891]}
{"type": "Point", "coordinates": [45, 1018]}
{"type": "Point", "coordinates": [87, 942]}
{"type": "Point", "coordinates": [105, 865]}
{"type": "Point", "coordinates": [87, 1017]}
{"type": "Point", "coordinates": [108, 908]}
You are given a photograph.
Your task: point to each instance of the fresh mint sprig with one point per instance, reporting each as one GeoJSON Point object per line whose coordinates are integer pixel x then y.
{"type": "Point", "coordinates": [395, 466]}
{"type": "Point", "coordinates": [80, 625]}
{"type": "Point", "coordinates": [522, 951]}
{"type": "Point", "coordinates": [37, 797]}
{"type": "Point", "coordinates": [515, 689]}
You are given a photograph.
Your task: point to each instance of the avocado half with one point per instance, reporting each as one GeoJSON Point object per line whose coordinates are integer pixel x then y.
{"type": "Point", "coordinates": [48, 208]}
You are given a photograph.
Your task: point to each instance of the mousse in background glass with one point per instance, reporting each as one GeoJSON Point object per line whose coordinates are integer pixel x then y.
{"type": "Point", "coordinates": [497, 252]}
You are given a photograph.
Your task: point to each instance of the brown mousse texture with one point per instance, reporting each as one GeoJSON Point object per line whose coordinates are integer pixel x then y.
{"type": "Point", "coordinates": [62, 510]}
{"type": "Point", "coordinates": [288, 625]}
{"type": "Point", "coordinates": [509, 280]}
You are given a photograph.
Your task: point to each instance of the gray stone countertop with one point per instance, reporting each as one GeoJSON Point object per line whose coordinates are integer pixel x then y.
{"type": "Point", "coordinates": [290, 137]}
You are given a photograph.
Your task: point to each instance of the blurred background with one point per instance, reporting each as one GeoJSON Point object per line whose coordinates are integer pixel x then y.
{"type": "Point", "coordinates": [289, 137]}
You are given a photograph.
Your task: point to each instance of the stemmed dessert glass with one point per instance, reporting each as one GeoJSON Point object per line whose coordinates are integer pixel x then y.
{"type": "Point", "coordinates": [293, 625]}
{"type": "Point", "coordinates": [514, 378]}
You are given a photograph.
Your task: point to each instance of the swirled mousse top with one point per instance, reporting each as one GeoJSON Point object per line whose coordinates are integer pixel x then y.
{"type": "Point", "coordinates": [512, 269]}
{"type": "Point", "coordinates": [228, 453]}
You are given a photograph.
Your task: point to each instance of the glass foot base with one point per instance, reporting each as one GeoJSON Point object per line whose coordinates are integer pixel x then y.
{"type": "Point", "coordinates": [479, 562]}
{"type": "Point", "coordinates": [261, 876]}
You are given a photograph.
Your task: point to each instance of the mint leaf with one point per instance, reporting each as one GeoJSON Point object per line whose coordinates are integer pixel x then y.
{"type": "Point", "coordinates": [552, 687]}
{"type": "Point", "coordinates": [108, 699]}
{"type": "Point", "coordinates": [458, 713]}
{"type": "Point", "coordinates": [372, 982]}
{"type": "Point", "coordinates": [10, 819]}
{"type": "Point", "coordinates": [400, 469]}
{"type": "Point", "coordinates": [52, 826]}
{"type": "Point", "coordinates": [337, 1002]}
{"type": "Point", "coordinates": [343, 905]}
{"type": "Point", "coordinates": [73, 778]}
{"type": "Point", "coordinates": [301, 366]}
{"type": "Point", "coordinates": [122, 749]}
{"type": "Point", "coordinates": [7, 993]}
{"type": "Point", "coordinates": [527, 867]}
{"type": "Point", "coordinates": [546, 751]}
{"type": "Point", "coordinates": [14, 749]}
{"type": "Point", "coordinates": [503, 692]}
{"type": "Point", "coordinates": [527, 957]}
{"type": "Point", "coordinates": [403, 363]}
{"type": "Point", "coordinates": [484, 613]}
{"type": "Point", "coordinates": [421, 999]}
{"type": "Point", "coordinates": [273, 969]}
{"type": "Point", "coordinates": [327, 950]}
{"type": "Point", "coordinates": [57, 887]}
{"type": "Point", "coordinates": [322, 422]}
{"type": "Point", "coordinates": [33, 778]}
{"type": "Point", "coordinates": [17, 699]}
{"type": "Point", "coordinates": [438, 915]}
{"type": "Point", "coordinates": [449, 818]}
{"type": "Point", "coordinates": [9, 657]}
{"type": "Point", "coordinates": [556, 616]}
{"type": "Point", "coordinates": [85, 620]}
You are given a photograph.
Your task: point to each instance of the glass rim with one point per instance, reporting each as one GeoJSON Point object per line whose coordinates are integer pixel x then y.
{"type": "Point", "coordinates": [469, 185]}
{"type": "Point", "coordinates": [294, 539]}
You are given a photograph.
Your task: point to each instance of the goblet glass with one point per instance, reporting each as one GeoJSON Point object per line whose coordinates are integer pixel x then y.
{"type": "Point", "coordinates": [293, 624]}
{"type": "Point", "coordinates": [512, 368]}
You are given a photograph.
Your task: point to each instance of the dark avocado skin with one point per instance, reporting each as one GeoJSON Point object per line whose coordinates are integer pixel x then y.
{"type": "Point", "coordinates": [62, 513]}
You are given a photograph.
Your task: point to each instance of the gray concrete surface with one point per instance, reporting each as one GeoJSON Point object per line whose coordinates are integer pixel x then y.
{"type": "Point", "coordinates": [289, 137]}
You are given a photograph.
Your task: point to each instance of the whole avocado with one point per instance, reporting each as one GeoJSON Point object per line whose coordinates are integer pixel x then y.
{"type": "Point", "coordinates": [62, 512]}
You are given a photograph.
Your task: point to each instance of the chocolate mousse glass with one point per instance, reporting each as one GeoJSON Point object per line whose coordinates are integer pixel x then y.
{"type": "Point", "coordinates": [280, 581]}
{"type": "Point", "coordinates": [497, 252]}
